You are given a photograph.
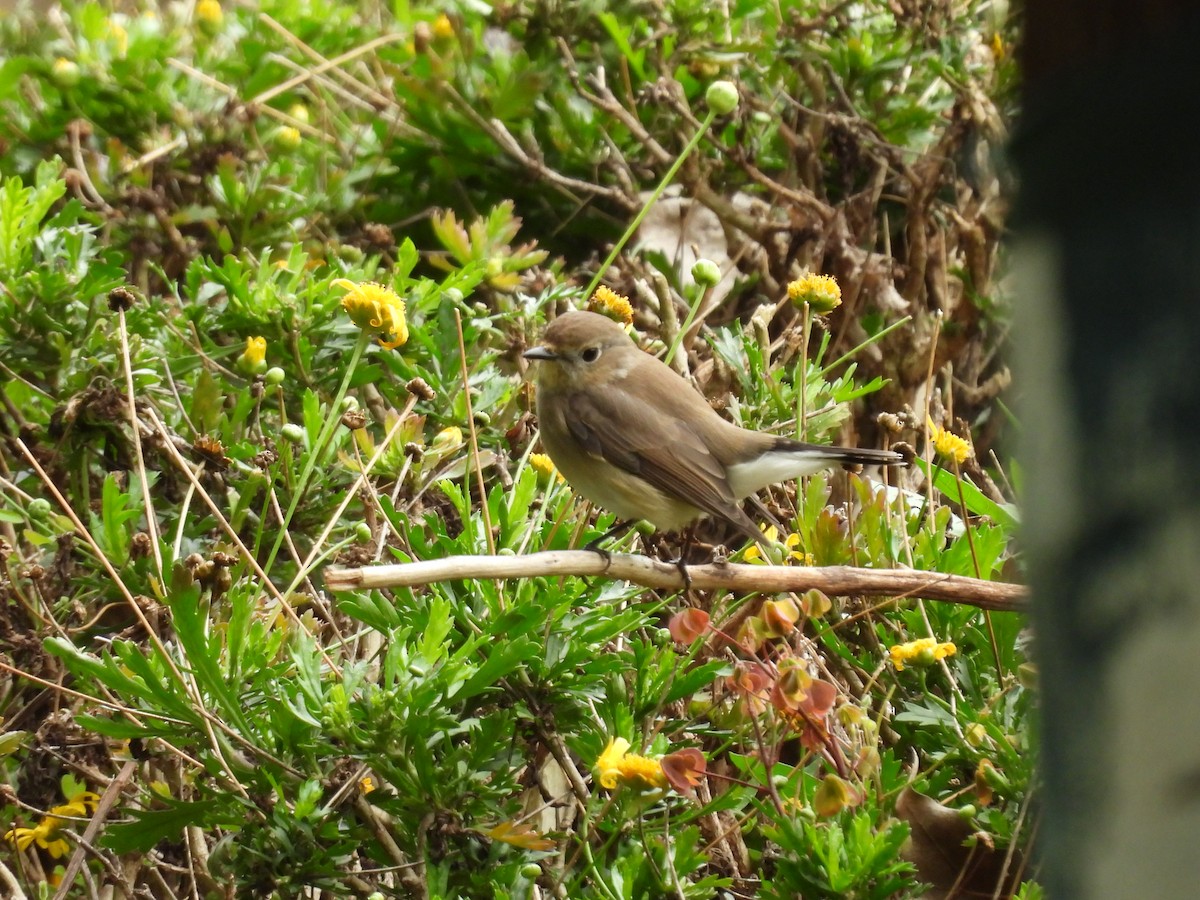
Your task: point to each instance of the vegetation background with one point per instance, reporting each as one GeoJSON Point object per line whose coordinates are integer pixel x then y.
{"type": "Point", "coordinates": [192, 429]}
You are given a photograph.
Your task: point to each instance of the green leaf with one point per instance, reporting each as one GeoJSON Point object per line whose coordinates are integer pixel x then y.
{"type": "Point", "coordinates": [103, 670]}
{"type": "Point", "coordinates": [976, 501]}
{"type": "Point", "coordinates": [502, 661]}
{"type": "Point", "coordinates": [203, 656]}
{"type": "Point", "coordinates": [124, 730]}
{"type": "Point", "coordinates": [151, 826]}
{"type": "Point", "coordinates": [687, 683]}
{"type": "Point", "coordinates": [22, 210]}
{"type": "Point", "coordinates": [11, 741]}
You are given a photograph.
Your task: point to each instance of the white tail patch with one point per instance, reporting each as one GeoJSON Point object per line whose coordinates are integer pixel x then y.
{"type": "Point", "coordinates": [774, 466]}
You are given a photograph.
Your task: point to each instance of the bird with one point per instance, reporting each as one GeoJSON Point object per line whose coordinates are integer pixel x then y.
{"type": "Point", "coordinates": [634, 437]}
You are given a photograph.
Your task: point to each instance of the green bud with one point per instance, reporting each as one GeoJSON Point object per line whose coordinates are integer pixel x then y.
{"type": "Point", "coordinates": [993, 778]}
{"type": "Point", "coordinates": [722, 97]}
{"type": "Point", "coordinates": [286, 137]}
{"type": "Point", "coordinates": [65, 73]}
{"type": "Point", "coordinates": [454, 295]}
{"type": "Point", "coordinates": [924, 659]}
{"type": "Point", "coordinates": [362, 532]}
{"type": "Point", "coordinates": [39, 507]}
{"type": "Point", "coordinates": [274, 376]}
{"type": "Point", "coordinates": [292, 432]}
{"type": "Point", "coordinates": [706, 272]}
{"type": "Point", "coordinates": [209, 16]}
{"type": "Point", "coordinates": [349, 403]}
{"type": "Point", "coordinates": [531, 870]}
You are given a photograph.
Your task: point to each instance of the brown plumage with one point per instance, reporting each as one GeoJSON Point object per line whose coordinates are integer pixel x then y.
{"type": "Point", "coordinates": [632, 436]}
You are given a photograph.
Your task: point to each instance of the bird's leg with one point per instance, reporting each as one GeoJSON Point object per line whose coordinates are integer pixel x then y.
{"type": "Point", "coordinates": [681, 562]}
{"type": "Point", "coordinates": [617, 530]}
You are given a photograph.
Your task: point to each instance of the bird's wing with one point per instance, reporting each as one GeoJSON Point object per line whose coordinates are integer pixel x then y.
{"type": "Point", "coordinates": [657, 447]}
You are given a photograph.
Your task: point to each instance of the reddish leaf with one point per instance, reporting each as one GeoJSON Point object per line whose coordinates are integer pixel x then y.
{"type": "Point", "coordinates": [833, 795]}
{"type": "Point", "coordinates": [820, 699]}
{"type": "Point", "coordinates": [791, 687]}
{"type": "Point", "coordinates": [780, 616]}
{"type": "Point", "coordinates": [687, 625]}
{"type": "Point", "coordinates": [684, 769]}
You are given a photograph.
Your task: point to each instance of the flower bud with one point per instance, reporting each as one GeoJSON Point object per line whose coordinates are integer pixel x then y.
{"type": "Point", "coordinates": [292, 432]}
{"type": "Point", "coordinates": [65, 73]}
{"type": "Point", "coordinates": [722, 97]}
{"type": "Point", "coordinates": [706, 272]}
{"type": "Point", "coordinates": [209, 16]}
{"type": "Point", "coordinates": [285, 137]}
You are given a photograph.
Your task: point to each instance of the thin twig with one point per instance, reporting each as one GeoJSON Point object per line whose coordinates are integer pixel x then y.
{"type": "Point", "coordinates": [103, 806]}
{"type": "Point", "coordinates": [473, 436]}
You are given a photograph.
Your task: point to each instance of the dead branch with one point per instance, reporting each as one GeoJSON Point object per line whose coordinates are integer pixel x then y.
{"type": "Point", "coordinates": [832, 580]}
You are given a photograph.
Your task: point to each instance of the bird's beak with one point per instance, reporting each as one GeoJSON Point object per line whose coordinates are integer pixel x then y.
{"type": "Point", "coordinates": [540, 353]}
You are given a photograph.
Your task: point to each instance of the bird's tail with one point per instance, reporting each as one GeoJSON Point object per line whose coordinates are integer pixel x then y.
{"type": "Point", "coordinates": [846, 456]}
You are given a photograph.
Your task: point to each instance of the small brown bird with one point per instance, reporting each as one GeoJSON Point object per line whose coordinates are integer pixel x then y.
{"type": "Point", "coordinates": [634, 437]}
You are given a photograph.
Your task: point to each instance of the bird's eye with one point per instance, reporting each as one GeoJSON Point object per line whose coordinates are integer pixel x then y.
{"type": "Point", "coordinates": [591, 354]}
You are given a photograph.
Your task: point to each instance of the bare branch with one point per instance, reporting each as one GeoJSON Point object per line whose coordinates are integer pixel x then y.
{"type": "Point", "coordinates": [834, 580]}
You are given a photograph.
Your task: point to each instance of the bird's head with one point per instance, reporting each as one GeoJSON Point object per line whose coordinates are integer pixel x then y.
{"type": "Point", "coordinates": [581, 350]}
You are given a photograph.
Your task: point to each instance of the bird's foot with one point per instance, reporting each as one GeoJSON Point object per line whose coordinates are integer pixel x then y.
{"type": "Point", "coordinates": [594, 547]}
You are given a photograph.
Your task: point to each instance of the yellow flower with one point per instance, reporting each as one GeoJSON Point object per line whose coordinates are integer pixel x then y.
{"type": "Point", "coordinates": [120, 37]}
{"type": "Point", "coordinates": [543, 465]}
{"type": "Point", "coordinates": [254, 357]}
{"type": "Point", "coordinates": [821, 292]}
{"type": "Point", "coordinates": [642, 771]}
{"type": "Point", "coordinates": [607, 766]}
{"type": "Point", "coordinates": [443, 28]}
{"type": "Point", "coordinates": [299, 112]}
{"type": "Point", "coordinates": [617, 765]}
{"type": "Point", "coordinates": [210, 15]}
{"type": "Point", "coordinates": [43, 834]}
{"type": "Point", "coordinates": [446, 440]}
{"type": "Point", "coordinates": [997, 46]}
{"type": "Point", "coordinates": [286, 137]}
{"type": "Point", "coordinates": [366, 784]}
{"type": "Point", "coordinates": [81, 805]}
{"type": "Point", "coordinates": [376, 310]}
{"type": "Point", "coordinates": [949, 445]}
{"type": "Point", "coordinates": [609, 303]}
{"type": "Point", "coordinates": [922, 652]}
{"type": "Point", "coordinates": [754, 552]}
{"type": "Point", "coordinates": [65, 73]}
